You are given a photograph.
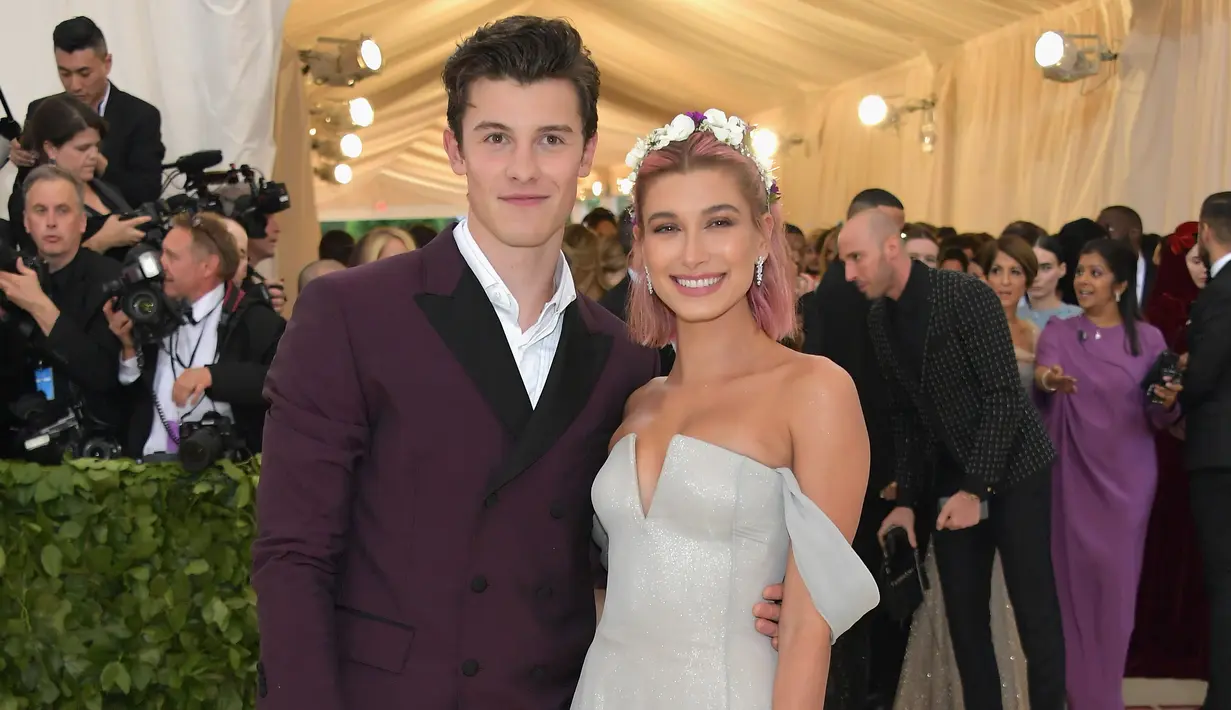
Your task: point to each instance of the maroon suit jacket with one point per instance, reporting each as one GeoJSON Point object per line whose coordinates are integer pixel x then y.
{"type": "Point", "coordinates": [423, 533]}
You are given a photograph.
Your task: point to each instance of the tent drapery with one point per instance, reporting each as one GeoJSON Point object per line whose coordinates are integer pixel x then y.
{"type": "Point", "coordinates": [209, 66]}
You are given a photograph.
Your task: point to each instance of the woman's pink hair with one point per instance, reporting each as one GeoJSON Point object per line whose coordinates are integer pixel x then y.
{"type": "Point", "coordinates": [773, 302]}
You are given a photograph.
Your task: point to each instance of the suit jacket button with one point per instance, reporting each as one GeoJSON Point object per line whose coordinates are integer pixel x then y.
{"type": "Point", "coordinates": [557, 510]}
{"type": "Point", "coordinates": [490, 501]}
{"type": "Point", "coordinates": [544, 592]}
{"type": "Point", "coordinates": [478, 584]}
{"type": "Point", "coordinates": [470, 668]}
{"type": "Point", "coordinates": [538, 672]}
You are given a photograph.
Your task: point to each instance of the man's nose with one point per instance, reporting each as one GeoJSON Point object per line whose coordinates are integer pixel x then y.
{"type": "Point", "coordinates": [524, 166]}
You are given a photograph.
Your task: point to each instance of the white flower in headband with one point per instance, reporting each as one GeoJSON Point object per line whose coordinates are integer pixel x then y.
{"type": "Point", "coordinates": [730, 130]}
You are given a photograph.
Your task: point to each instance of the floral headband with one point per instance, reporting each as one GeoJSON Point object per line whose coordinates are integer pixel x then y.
{"type": "Point", "coordinates": [730, 130]}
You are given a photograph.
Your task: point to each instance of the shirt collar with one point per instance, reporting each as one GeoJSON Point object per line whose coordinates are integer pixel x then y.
{"type": "Point", "coordinates": [207, 303]}
{"type": "Point", "coordinates": [916, 283]}
{"type": "Point", "coordinates": [495, 288]}
{"type": "Point", "coordinates": [1219, 265]}
{"type": "Point", "coordinates": [102, 105]}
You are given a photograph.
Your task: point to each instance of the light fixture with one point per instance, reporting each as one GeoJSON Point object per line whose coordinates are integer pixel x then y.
{"type": "Point", "coordinates": [351, 145]}
{"type": "Point", "coordinates": [873, 110]}
{"type": "Point", "coordinates": [1067, 58]}
{"type": "Point", "coordinates": [361, 112]}
{"type": "Point", "coordinates": [597, 188]}
{"type": "Point", "coordinates": [350, 61]}
{"type": "Point", "coordinates": [625, 186]}
{"type": "Point", "coordinates": [337, 173]}
{"type": "Point", "coordinates": [764, 143]}
{"type": "Point", "coordinates": [332, 116]}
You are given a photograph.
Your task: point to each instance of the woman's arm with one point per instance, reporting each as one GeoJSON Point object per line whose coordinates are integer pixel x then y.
{"type": "Point", "coordinates": [830, 459]}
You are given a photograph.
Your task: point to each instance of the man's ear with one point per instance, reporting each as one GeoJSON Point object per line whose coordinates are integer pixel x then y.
{"type": "Point", "coordinates": [587, 157]}
{"type": "Point", "coordinates": [453, 149]}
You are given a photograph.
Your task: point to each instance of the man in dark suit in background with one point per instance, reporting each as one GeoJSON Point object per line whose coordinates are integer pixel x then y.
{"type": "Point", "coordinates": [616, 300]}
{"type": "Point", "coordinates": [1125, 224]}
{"type": "Point", "coordinates": [1207, 404]}
{"type": "Point", "coordinates": [958, 404]}
{"type": "Point", "coordinates": [132, 153]}
{"type": "Point", "coordinates": [868, 659]}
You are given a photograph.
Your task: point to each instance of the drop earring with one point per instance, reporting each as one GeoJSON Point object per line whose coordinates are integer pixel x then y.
{"type": "Point", "coordinates": [1118, 295]}
{"type": "Point", "coordinates": [760, 276]}
{"type": "Point", "coordinates": [648, 283]}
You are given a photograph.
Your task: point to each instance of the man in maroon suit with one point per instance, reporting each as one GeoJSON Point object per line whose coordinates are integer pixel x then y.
{"type": "Point", "coordinates": [436, 422]}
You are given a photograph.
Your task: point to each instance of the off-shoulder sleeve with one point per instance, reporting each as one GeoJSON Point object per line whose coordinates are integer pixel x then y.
{"type": "Point", "coordinates": [599, 535]}
{"type": "Point", "coordinates": [841, 587]}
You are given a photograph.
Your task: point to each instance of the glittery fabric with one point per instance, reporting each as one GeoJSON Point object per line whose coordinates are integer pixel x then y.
{"type": "Point", "coordinates": [930, 678]}
{"type": "Point", "coordinates": [677, 629]}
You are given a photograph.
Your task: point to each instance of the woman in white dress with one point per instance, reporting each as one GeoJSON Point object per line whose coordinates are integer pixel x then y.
{"type": "Point", "coordinates": [745, 466]}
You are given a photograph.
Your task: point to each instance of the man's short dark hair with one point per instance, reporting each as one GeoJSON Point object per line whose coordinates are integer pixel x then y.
{"type": "Point", "coordinates": [794, 229]}
{"type": "Point", "coordinates": [525, 49]}
{"type": "Point", "coordinates": [422, 234]}
{"type": "Point", "coordinates": [955, 254]}
{"type": "Point", "coordinates": [1216, 212]}
{"type": "Point", "coordinates": [871, 199]}
{"type": "Point", "coordinates": [626, 230]}
{"type": "Point", "coordinates": [336, 244]}
{"type": "Point", "coordinates": [1128, 213]}
{"type": "Point", "coordinates": [77, 34]}
{"type": "Point", "coordinates": [600, 214]}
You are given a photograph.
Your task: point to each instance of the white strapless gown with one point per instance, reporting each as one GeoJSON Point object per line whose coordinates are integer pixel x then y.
{"type": "Point", "coordinates": [677, 628]}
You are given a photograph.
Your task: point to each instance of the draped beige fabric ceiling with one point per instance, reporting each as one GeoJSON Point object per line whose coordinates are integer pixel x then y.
{"type": "Point", "coordinates": [657, 58]}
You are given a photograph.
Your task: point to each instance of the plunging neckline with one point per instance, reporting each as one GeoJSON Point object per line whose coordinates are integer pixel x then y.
{"type": "Point", "coordinates": [646, 508]}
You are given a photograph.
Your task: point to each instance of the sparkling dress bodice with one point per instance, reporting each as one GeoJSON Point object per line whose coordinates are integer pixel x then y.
{"type": "Point", "coordinates": [677, 628]}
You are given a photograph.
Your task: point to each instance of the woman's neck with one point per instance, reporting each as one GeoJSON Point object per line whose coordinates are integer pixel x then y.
{"type": "Point", "coordinates": [1105, 317]}
{"type": "Point", "coordinates": [1048, 303]}
{"type": "Point", "coordinates": [1010, 312]}
{"type": "Point", "coordinates": [719, 349]}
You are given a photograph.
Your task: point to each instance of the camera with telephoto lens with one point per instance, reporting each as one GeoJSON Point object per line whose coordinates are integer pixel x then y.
{"type": "Point", "coordinates": [240, 192]}
{"type": "Point", "coordinates": [139, 294]}
{"type": "Point", "coordinates": [11, 312]}
{"type": "Point", "coordinates": [208, 441]}
{"type": "Point", "coordinates": [49, 432]}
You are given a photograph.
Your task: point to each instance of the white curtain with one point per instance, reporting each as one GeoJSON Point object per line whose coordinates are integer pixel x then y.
{"type": "Point", "coordinates": [208, 65]}
{"type": "Point", "coordinates": [1152, 131]}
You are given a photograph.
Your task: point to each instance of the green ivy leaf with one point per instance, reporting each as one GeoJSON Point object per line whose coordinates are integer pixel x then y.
{"type": "Point", "coordinates": [196, 568]}
{"type": "Point", "coordinates": [44, 491]}
{"type": "Point", "coordinates": [52, 558]}
{"type": "Point", "coordinates": [115, 675]}
{"type": "Point", "coordinates": [3, 560]}
{"type": "Point", "coordinates": [71, 530]}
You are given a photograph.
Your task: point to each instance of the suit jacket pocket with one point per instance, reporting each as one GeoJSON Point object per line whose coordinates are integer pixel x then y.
{"type": "Point", "coordinates": [373, 640]}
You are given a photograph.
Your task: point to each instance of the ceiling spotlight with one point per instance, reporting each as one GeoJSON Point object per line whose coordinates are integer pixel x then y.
{"type": "Point", "coordinates": [339, 173]}
{"type": "Point", "coordinates": [1068, 58]}
{"type": "Point", "coordinates": [764, 143]}
{"type": "Point", "coordinates": [873, 110]}
{"type": "Point", "coordinates": [361, 113]}
{"type": "Point", "coordinates": [351, 145]}
{"type": "Point", "coordinates": [349, 61]}
{"type": "Point", "coordinates": [597, 188]}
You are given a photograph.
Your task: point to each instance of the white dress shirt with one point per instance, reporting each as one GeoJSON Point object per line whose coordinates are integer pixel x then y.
{"type": "Point", "coordinates": [102, 105]}
{"type": "Point", "coordinates": [193, 344]}
{"type": "Point", "coordinates": [1141, 278]}
{"type": "Point", "coordinates": [534, 348]}
{"type": "Point", "coordinates": [1218, 265]}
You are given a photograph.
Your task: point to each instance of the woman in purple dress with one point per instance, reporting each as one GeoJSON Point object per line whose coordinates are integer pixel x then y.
{"type": "Point", "coordinates": [1091, 371]}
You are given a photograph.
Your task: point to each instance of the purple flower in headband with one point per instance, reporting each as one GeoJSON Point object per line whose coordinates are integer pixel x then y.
{"type": "Point", "coordinates": [696, 116]}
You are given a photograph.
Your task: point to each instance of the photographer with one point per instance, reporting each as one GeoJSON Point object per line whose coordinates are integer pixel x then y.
{"type": "Point", "coordinates": [58, 343]}
{"type": "Point", "coordinates": [215, 361]}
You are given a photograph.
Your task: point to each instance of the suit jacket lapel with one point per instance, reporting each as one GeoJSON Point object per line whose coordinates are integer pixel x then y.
{"type": "Point", "coordinates": [469, 326]}
{"type": "Point", "coordinates": [580, 359]}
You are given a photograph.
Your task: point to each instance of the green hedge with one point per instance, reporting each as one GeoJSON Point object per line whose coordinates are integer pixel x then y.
{"type": "Point", "coordinates": [126, 586]}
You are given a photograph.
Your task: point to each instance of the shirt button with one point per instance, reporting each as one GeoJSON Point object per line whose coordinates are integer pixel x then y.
{"type": "Point", "coordinates": [478, 584]}
{"type": "Point", "coordinates": [490, 501]}
{"type": "Point", "coordinates": [470, 668]}
{"type": "Point", "coordinates": [557, 510]}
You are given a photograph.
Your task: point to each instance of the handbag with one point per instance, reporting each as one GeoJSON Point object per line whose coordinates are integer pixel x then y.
{"type": "Point", "coordinates": [903, 581]}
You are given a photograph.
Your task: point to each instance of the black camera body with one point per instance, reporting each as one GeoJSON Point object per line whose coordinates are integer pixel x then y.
{"type": "Point", "coordinates": [49, 432]}
{"type": "Point", "coordinates": [139, 294]}
{"type": "Point", "coordinates": [204, 442]}
{"type": "Point", "coordinates": [8, 263]}
{"type": "Point", "coordinates": [1166, 370]}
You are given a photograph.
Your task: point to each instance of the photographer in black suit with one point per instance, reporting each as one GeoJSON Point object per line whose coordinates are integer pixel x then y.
{"type": "Point", "coordinates": [56, 340]}
{"type": "Point", "coordinates": [132, 152]}
{"type": "Point", "coordinates": [1206, 400]}
{"type": "Point", "coordinates": [216, 359]}
{"type": "Point", "coordinates": [958, 404]}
